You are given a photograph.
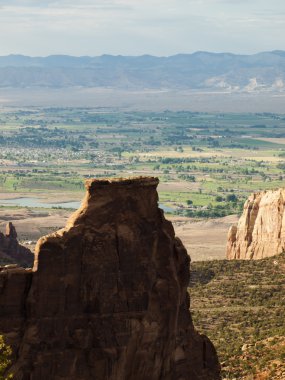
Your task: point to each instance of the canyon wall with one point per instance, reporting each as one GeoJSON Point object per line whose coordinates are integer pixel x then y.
{"type": "Point", "coordinates": [107, 296]}
{"type": "Point", "coordinates": [260, 231]}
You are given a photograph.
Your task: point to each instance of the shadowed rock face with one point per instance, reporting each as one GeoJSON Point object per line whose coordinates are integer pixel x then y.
{"type": "Point", "coordinates": [260, 231]}
{"type": "Point", "coordinates": [12, 250]}
{"type": "Point", "coordinates": [107, 297]}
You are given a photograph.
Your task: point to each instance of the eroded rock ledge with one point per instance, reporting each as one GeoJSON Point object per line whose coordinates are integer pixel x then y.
{"type": "Point", "coordinates": [260, 232]}
{"type": "Point", "coordinates": [107, 297]}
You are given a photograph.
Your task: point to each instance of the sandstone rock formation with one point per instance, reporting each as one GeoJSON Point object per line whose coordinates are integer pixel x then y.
{"type": "Point", "coordinates": [107, 297]}
{"type": "Point", "coordinates": [260, 231]}
{"type": "Point", "coordinates": [12, 250]}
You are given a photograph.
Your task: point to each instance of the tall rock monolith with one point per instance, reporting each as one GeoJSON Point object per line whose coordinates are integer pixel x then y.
{"type": "Point", "coordinates": [107, 297]}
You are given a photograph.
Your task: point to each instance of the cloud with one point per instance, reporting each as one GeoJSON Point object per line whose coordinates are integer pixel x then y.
{"type": "Point", "coordinates": [160, 27]}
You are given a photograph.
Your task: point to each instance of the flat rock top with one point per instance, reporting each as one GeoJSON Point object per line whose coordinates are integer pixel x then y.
{"type": "Point", "coordinates": [137, 181]}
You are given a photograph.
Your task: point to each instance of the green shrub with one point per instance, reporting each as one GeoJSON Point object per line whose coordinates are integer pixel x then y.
{"type": "Point", "coordinates": [5, 353]}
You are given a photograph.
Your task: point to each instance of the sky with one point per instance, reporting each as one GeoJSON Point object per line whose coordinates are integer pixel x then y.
{"type": "Point", "coordinates": [136, 27]}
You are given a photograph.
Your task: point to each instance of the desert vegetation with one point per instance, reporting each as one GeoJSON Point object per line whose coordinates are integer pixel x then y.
{"type": "Point", "coordinates": [5, 353]}
{"type": "Point", "coordinates": [240, 306]}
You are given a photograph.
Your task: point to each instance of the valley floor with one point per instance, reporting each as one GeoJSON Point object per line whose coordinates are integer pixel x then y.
{"type": "Point", "coordinates": [204, 239]}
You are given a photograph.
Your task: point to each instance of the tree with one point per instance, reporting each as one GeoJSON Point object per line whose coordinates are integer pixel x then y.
{"type": "Point", "coordinates": [231, 198]}
{"type": "Point", "coordinates": [5, 353]}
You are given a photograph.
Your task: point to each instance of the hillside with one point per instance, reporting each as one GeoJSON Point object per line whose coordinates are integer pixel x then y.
{"type": "Point", "coordinates": [198, 71]}
{"type": "Point", "coordinates": [240, 306]}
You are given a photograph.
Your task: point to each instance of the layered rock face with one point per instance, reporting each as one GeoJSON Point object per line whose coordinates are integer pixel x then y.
{"type": "Point", "coordinates": [260, 231]}
{"type": "Point", "coordinates": [107, 297]}
{"type": "Point", "coordinates": [11, 249]}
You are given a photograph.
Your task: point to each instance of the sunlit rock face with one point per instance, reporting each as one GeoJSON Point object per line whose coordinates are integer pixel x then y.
{"type": "Point", "coordinates": [107, 297]}
{"type": "Point", "coordinates": [260, 231]}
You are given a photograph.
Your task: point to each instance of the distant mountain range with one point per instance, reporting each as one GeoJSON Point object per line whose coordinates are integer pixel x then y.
{"type": "Point", "coordinates": [198, 71]}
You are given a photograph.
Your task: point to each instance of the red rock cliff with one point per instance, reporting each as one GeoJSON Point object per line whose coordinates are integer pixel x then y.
{"type": "Point", "coordinates": [260, 231]}
{"type": "Point", "coordinates": [107, 297]}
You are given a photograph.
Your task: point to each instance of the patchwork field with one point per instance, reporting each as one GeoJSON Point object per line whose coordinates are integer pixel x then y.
{"type": "Point", "coordinates": [207, 163]}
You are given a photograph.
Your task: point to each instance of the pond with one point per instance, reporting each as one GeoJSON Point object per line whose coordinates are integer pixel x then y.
{"type": "Point", "coordinates": [38, 202]}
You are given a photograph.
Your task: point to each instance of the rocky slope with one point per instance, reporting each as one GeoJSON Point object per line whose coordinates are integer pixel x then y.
{"type": "Point", "coordinates": [260, 231]}
{"type": "Point", "coordinates": [240, 305]}
{"type": "Point", "coordinates": [11, 250]}
{"type": "Point", "coordinates": [107, 296]}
